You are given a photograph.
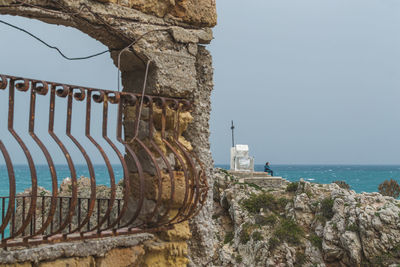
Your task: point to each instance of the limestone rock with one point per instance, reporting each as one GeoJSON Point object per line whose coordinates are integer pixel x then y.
{"type": "Point", "coordinates": [329, 226]}
{"type": "Point", "coordinates": [195, 12]}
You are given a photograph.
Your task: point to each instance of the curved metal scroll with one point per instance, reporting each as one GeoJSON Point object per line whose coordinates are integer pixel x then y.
{"type": "Point", "coordinates": [163, 182]}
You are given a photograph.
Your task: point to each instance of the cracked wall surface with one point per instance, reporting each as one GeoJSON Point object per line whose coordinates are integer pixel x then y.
{"type": "Point", "coordinates": [172, 34]}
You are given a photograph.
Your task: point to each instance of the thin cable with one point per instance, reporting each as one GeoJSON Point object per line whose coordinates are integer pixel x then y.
{"type": "Point", "coordinates": [90, 56]}
{"type": "Point", "coordinates": [54, 47]}
{"type": "Point", "coordinates": [142, 99]}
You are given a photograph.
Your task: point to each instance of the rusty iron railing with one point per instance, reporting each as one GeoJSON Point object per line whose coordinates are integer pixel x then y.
{"type": "Point", "coordinates": [163, 181]}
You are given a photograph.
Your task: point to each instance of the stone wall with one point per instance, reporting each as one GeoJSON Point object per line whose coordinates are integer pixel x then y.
{"type": "Point", "coordinates": [194, 12]}
{"type": "Point", "coordinates": [139, 250]}
{"type": "Point", "coordinates": [172, 34]}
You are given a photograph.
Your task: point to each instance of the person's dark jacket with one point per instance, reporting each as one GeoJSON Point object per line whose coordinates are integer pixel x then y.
{"type": "Point", "coordinates": [267, 168]}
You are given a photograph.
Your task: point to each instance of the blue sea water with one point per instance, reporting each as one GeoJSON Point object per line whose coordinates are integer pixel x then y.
{"type": "Point", "coordinates": [23, 179]}
{"type": "Point", "coordinates": [361, 178]}
{"type": "Point", "coordinates": [23, 176]}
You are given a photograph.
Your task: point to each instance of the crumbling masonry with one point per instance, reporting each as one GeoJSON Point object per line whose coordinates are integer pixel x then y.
{"type": "Point", "coordinates": [171, 34]}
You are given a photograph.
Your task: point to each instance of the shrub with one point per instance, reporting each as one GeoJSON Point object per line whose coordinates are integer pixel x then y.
{"type": "Point", "coordinates": [282, 202]}
{"type": "Point", "coordinates": [273, 243]}
{"type": "Point", "coordinates": [254, 186]}
{"type": "Point", "coordinates": [352, 227]}
{"type": "Point", "coordinates": [309, 194]}
{"type": "Point", "coordinates": [316, 240]}
{"type": "Point", "coordinates": [342, 184]}
{"type": "Point", "coordinates": [292, 187]}
{"type": "Point", "coordinates": [257, 236]}
{"type": "Point", "coordinates": [320, 218]}
{"type": "Point", "coordinates": [244, 236]}
{"type": "Point", "coordinates": [289, 231]}
{"type": "Point", "coordinates": [396, 250]}
{"type": "Point", "coordinates": [228, 237]}
{"type": "Point", "coordinates": [265, 220]}
{"type": "Point", "coordinates": [300, 259]}
{"type": "Point", "coordinates": [256, 202]}
{"type": "Point", "coordinates": [390, 188]}
{"type": "Point", "coordinates": [238, 258]}
{"type": "Point", "coordinates": [326, 207]}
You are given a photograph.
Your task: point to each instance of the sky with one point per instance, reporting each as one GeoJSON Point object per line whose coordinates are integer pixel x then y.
{"type": "Point", "coordinates": [308, 81]}
{"type": "Point", "coordinates": [305, 82]}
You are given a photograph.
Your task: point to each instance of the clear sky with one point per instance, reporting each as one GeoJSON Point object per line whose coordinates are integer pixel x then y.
{"type": "Point", "coordinates": [306, 81]}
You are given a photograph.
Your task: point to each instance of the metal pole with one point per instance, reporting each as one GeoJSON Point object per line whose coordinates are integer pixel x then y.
{"type": "Point", "coordinates": [233, 134]}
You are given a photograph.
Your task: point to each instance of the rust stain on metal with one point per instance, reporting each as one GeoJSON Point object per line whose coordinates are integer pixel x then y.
{"type": "Point", "coordinates": [35, 219]}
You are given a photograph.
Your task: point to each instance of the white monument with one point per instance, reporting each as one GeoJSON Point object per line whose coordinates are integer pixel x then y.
{"type": "Point", "coordinates": [240, 159]}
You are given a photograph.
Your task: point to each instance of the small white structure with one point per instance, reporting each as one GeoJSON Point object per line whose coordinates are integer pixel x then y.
{"type": "Point", "coordinates": [240, 159]}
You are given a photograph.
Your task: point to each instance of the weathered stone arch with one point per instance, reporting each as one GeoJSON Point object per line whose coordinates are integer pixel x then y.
{"type": "Point", "coordinates": [169, 33]}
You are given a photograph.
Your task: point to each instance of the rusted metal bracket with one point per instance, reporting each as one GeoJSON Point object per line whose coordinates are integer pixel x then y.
{"type": "Point", "coordinates": [34, 219]}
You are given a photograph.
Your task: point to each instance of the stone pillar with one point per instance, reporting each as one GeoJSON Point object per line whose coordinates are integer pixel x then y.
{"type": "Point", "coordinates": [172, 34]}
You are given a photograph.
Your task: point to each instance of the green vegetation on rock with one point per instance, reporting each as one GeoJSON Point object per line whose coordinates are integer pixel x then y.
{"type": "Point", "coordinates": [256, 202]}
{"type": "Point", "coordinates": [292, 187]}
{"type": "Point", "coordinates": [257, 236]}
{"type": "Point", "coordinates": [228, 237]}
{"type": "Point", "coordinates": [265, 220]}
{"type": "Point", "coordinates": [327, 208]}
{"type": "Point", "coordinates": [273, 243]}
{"type": "Point", "coordinates": [238, 259]}
{"type": "Point", "coordinates": [315, 240]}
{"type": "Point", "coordinates": [390, 188]}
{"type": "Point", "coordinates": [352, 227]}
{"type": "Point", "coordinates": [300, 259]}
{"type": "Point", "coordinates": [342, 184]}
{"type": "Point", "coordinates": [244, 236]}
{"type": "Point", "coordinates": [288, 231]}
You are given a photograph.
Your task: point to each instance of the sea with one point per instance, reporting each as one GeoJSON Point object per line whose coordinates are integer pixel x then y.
{"type": "Point", "coordinates": [23, 176]}
{"type": "Point", "coordinates": [361, 178]}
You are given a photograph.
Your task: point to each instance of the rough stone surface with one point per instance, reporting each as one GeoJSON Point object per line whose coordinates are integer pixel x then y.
{"type": "Point", "coordinates": [313, 225]}
{"type": "Point", "coordinates": [98, 247]}
{"type": "Point", "coordinates": [70, 262]}
{"type": "Point", "coordinates": [195, 12]}
{"type": "Point", "coordinates": [170, 34]}
{"type": "Point", "coordinates": [122, 257]}
{"type": "Point", "coordinates": [202, 243]}
{"type": "Point", "coordinates": [146, 252]}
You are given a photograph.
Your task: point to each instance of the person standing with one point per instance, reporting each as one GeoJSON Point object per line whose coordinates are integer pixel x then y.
{"type": "Point", "coordinates": [267, 169]}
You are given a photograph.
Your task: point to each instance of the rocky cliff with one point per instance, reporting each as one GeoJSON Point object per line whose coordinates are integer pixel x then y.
{"type": "Point", "coordinates": [303, 224]}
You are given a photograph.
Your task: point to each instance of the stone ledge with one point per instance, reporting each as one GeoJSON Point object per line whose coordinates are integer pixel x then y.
{"type": "Point", "coordinates": [267, 182]}
{"type": "Point", "coordinates": [248, 174]}
{"type": "Point", "coordinates": [94, 247]}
